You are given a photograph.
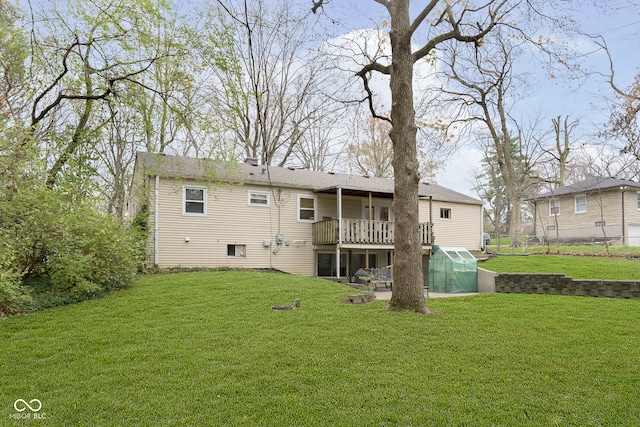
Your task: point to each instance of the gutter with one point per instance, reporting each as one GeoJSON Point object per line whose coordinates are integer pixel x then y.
{"type": "Point", "coordinates": [624, 188]}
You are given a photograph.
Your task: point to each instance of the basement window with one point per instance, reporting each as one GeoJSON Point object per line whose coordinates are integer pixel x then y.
{"type": "Point", "coordinates": [238, 251]}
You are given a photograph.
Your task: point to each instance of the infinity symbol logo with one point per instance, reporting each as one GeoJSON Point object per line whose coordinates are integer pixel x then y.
{"type": "Point", "coordinates": [21, 405]}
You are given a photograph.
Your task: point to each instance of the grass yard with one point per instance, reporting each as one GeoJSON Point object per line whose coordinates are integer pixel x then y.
{"type": "Point", "coordinates": [579, 267]}
{"type": "Point", "coordinates": [197, 349]}
{"type": "Point", "coordinates": [594, 249]}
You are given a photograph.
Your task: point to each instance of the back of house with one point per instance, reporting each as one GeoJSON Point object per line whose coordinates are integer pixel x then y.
{"type": "Point", "coordinates": [205, 214]}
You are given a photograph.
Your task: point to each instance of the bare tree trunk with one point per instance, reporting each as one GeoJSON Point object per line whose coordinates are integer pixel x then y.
{"type": "Point", "coordinates": [408, 291]}
{"type": "Point", "coordinates": [562, 146]}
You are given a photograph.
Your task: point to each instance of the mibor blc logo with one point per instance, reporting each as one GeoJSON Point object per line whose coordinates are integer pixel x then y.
{"type": "Point", "coordinates": [28, 409]}
{"type": "Point", "coordinates": [21, 405]}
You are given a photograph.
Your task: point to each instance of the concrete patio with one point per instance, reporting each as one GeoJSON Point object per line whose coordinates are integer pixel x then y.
{"type": "Point", "coordinates": [386, 295]}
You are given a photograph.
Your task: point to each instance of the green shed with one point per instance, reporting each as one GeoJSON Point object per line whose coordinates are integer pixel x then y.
{"type": "Point", "coordinates": [453, 270]}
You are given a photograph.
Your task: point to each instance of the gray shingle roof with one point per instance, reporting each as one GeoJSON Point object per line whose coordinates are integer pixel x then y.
{"type": "Point", "coordinates": [588, 186]}
{"type": "Point", "coordinates": [192, 168]}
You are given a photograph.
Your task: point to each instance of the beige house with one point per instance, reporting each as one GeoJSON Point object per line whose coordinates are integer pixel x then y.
{"type": "Point", "coordinates": [596, 209]}
{"type": "Point", "coordinates": [298, 221]}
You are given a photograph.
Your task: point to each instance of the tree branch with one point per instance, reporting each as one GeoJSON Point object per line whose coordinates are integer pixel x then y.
{"type": "Point", "coordinates": [603, 45]}
{"type": "Point", "coordinates": [423, 14]}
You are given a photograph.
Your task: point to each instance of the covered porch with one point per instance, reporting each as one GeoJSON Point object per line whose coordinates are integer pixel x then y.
{"type": "Point", "coordinates": [372, 236]}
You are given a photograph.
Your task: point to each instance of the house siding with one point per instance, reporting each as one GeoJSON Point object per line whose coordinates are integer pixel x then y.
{"type": "Point", "coordinates": [227, 214]}
{"type": "Point", "coordinates": [604, 206]}
{"type": "Point", "coordinates": [227, 208]}
{"type": "Point", "coordinates": [187, 240]}
{"type": "Point", "coordinates": [462, 229]}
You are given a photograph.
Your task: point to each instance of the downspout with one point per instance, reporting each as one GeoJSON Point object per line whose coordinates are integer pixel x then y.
{"type": "Point", "coordinates": [623, 233]}
{"type": "Point", "coordinates": [155, 221]}
{"type": "Point", "coordinates": [482, 227]}
{"type": "Point", "coordinates": [339, 193]}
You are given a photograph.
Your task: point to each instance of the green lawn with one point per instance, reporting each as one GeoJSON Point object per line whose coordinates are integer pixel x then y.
{"type": "Point", "coordinates": [594, 249]}
{"type": "Point", "coordinates": [579, 267]}
{"type": "Point", "coordinates": [198, 349]}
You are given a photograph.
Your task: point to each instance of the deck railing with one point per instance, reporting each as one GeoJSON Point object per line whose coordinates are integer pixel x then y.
{"type": "Point", "coordinates": [362, 231]}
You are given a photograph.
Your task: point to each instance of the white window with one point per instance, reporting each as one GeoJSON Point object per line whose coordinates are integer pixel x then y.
{"type": "Point", "coordinates": [638, 199]}
{"type": "Point", "coordinates": [581, 203]}
{"type": "Point", "coordinates": [554, 207]}
{"type": "Point", "coordinates": [238, 251]}
{"type": "Point", "coordinates": [307, 206]}
{"type": "Point", "coordinates": [601, 224]}
{"type": "Point", "coordinates": [445, 213]}
{"type": "Point", "coordinates": [258, 198]}
{"type": "Point", "coordinates": [551, 228]}
{"type": "Point", "coordinates": [194, 201]}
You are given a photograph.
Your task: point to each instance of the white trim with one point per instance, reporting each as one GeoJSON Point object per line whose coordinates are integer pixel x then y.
{"type": "Point", "coordinates": [315, 207]}
{"type": "Point", "coordinates": [184, 200]}
{"type": "Point", "coordinates": [261, 193]}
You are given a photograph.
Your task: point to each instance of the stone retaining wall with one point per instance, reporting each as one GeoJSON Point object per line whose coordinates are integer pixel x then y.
{"type": "Point", "coordinates": [561, 284]}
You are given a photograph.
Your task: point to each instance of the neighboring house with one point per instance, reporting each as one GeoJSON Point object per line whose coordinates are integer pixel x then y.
{"type": "Point", "coordinates": [298, 221]}
{"type": "Point", "coordinates": [595, 209]}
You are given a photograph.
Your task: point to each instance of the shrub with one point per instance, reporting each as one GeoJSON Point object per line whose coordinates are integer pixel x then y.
{"type": "Point", "coordinates": [79, 250]}
{"type": "Point", "coordinates": [95, 252]}
{"type": "Point", "coordinates": [13, 297]}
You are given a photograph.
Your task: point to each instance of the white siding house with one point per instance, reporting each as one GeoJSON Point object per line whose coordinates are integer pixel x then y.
{"type": "Point", "coordinates": [203, 214]}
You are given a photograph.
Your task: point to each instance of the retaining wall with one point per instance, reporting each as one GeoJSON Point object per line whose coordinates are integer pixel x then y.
{"type": "Point", "coordinates": [561, 284]}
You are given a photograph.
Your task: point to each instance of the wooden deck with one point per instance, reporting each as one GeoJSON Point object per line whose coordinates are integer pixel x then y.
{"type": "Point", "coordinates": [362, 231]}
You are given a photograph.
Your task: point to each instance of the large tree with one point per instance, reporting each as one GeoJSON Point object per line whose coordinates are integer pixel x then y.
{"type": "Point", "coordinates": [436, 23]}
{"type": "Point", "coordinates": [94, 82]}
{"type": "Point", "coordinates": [275, 99]}
{"type": "Point", "coordinates": [84, 55]}
{"type": "Point", "coordinates": [625, 118]}
{"type": "Point", "coordinates": [489, 186]}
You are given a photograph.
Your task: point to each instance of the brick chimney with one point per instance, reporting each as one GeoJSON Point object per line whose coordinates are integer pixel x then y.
{"type": "Point", "coordinates": [253, 161]}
